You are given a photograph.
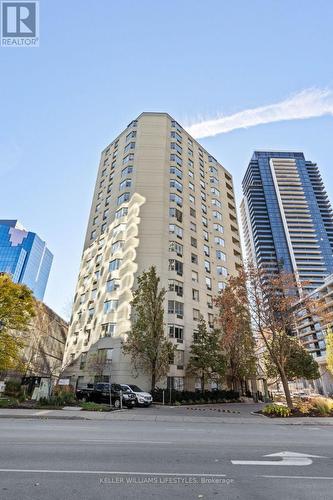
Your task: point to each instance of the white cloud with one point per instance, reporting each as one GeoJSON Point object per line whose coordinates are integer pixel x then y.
{"type": "Point", "coordinates": [308, 103]}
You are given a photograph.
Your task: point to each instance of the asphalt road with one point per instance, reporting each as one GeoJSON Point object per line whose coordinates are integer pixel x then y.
{"type": "Point", "coordinates": [64, 459]}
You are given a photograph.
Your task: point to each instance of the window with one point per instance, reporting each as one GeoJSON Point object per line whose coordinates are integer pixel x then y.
{"type": "Point", "coordinates": [216, 203]}
{"type": "Point", "coordinates": [194, 258]}
{"type": "Point", "coordinates": [191, 174]}
{"type": "Point", "coordinates": [176, 199]}
{"type": "Point", "coordinates": [192, 212]}
{"type": "Point", "coordinates": [176, 185]}
{"type": "Point", "coordinates": [218, 228]}
{"type": "Point", "coordinates": [176, 125]}
{"type": "Point", "coordinates": [204, 221]}
{"type": "Point", "coordinates": [83, 359]}
{"type": "Point", "coordinates": [222, 271]}
{"type": "Point", "coordinates": [213, 170]}
{"type": "Point", "coordinates": [177, 287]}
{"type": "Point", "coordinates": [133, 124]}
{"type": "Point", "coordinates": [110, 306]}
{"type": "Point", "coordinates": [196, 314]}
{"type": "Point", "coordinates": [194, 242]}
{"type": "Point", "coordinates": [103, 227]}
{"type": "Point", "coordinates": [192, 199]}
{"type": "Point", "coordinates": [205, 235]}
{"type": "Point", "coordinates": [129, 157]}
{"type": "Point", "coordinates": [176, 332]}
{"type": "Point", "coordinates": [118, 229]}
{"type": "Point", "coordinates": [221, 285]}
{"type": "Point", "coordinates": [179, 359]}
{"type": "Point", "coordinates": [190, 163]}
{"type": "Point", "coordinates": [129, 146]}
{"type": "Point", "coordinates": [114, 264]}
{"type": "Point", "coordinates": [93, 235]}
{"type": "Point", "coordinates": [95, 220]}
{"type": "Point", "coordinates": [107, 201]}
{"type": "Point", "coordinates": [215, 191]}
{"type": "Point", "coordinates": [206, 250]}
{"type": "Point", "coordinates": [98, 206]}
{"type": "Point", "coordinates": [176, 171]}
{"type": "Point", "coordinates": [125, 184]}
{"type": "Point", "coordinates": [176, 147]}
{"type": "Point", "coordinates": [190, 152]}
{"type": "Point", "coordinates": [175, 307]}
{"type": "Point", "coordinates": [93, 294]}
{"type": "Point", "coordinates": [220, 255]}
{"type": "Point", "coordinates": [207, 266]}
{"type": "Point", "coordinates": [97, 275]}
{"type": "Point", "coordinates": [108, 329]}
{"type": "Point", "coordinates": [121, 212]}
{"type": "Point", "coordinates": [211, 159]}
{"type": "Point", "coordinates": [91, 312]}
{"type": "Point", "coordinates": [204, 208]}
{"type": "Point", "coordinates": [174, 246]}
{"type": "Point", "coordinates": [202, 184]}
{"type": "Point", "coordinates": [176, 159]}
{"type": "Point", "coordinates": [127, 171]}
{"type": "Point", "coordinates": [203, 196]}
{"type": "Point", "coordinates": [106, 213]}
{"type": "Point", "coordinates": [195, 294]}
{"type": "Point", "coordinates": [112, 285]}
{"type": "Point", "coordinates": [219, 241]}
{"type": "Point", "coordinates": [98, 258]}
{"type": "Point", "coordinates": [117, 245]}
{"type": "Point", "coordinates": [131, 135]}
{"type": "Point", "coordinates": [208, 283]}
{"type": "Point", "coordinates": [214, 180]}
{"type": "Point", "coordinates": [177, 230]}
{"type": "Point", "coordinates": [123, 198]}
{"type": "Point", "coordinates": [209, 301]}
{"type": "Point", "coordinates": [101, 184]}
{"type": "Point", "coordinates": [177, 214]}
{"type": "Point", "coordinates": [175, 135]}
{"type": "Point", "coordinates": [191, 186]}
{"type": "Point", "coordinates": [195, 277]}
{"type": "Point", "coordinates": [176, 265]}
{"type": "Point", "coordinates": [217, 215]}
{"type": "Point", "coordinates": [193, 227]}
{"type": "Point", "coordinates": [82, 298]}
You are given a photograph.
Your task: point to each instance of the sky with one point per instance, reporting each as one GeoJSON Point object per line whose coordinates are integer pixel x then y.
{"type": "Point", "coordinates": [240, 75]}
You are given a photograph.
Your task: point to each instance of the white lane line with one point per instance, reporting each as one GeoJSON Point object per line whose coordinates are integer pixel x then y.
{"type": "Point", "coordinates": [43, 412]}
{"type": "Point", "coordinates": [119, 473]}
{"type": "Point", "coordinates": [301, 477]}
{"type": "Point", "coordinates": [110, 441]}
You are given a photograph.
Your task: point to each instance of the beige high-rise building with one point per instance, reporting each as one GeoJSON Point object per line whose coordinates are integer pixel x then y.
{"type": "Point", "coordinates": [160, 199]}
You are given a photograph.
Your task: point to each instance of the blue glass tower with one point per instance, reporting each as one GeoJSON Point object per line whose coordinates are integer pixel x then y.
{"type": "Point", "coordinates": [287, 217]}
{"type": "Point", "coordinates": [24, 256]}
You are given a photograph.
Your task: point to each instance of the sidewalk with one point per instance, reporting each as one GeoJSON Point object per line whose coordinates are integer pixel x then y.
{"type": "Point", "coordinates": [145, 416]}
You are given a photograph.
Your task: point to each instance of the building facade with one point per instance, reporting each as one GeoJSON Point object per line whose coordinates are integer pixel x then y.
{"type": "Point", "coordinates": [24, 256]}
{"type": "Point", "coordinates": [160, 199]}
{"type": "Point", "coordinates": [287, 217]}
{"type": "Point", "coordinates": [288, 224]}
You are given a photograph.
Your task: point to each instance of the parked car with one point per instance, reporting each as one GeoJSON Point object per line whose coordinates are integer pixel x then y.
{"type": "Point", "coordinates": [142, 398]}
{"type": "Point", "coordinates": [100, 393]}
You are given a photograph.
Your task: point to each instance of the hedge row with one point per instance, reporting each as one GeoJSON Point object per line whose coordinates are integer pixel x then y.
{"type": "Point", "coordinates": [189, 397]}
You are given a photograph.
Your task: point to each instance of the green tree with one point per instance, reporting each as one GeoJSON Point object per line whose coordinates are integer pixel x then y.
{"type": "Point", "coordinates": [17, 307]}
{"type": "Point", "coordinates": [146, 344]}
{"type": "Point", "coordinates": [299, 363]}
{"type": "Point", "coordinates": [206, 357]}
{"type": "Point", "coordinates": [329, 349]}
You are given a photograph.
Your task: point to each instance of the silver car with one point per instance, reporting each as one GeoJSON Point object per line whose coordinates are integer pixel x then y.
{"type": "Point", "coordinates": [142, 398]}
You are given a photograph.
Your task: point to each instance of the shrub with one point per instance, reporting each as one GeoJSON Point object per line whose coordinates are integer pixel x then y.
{"type": "Point", "coordinates": [8, 402]}
{"type": "Point", "coordinates": [323, 406]}
{"type": "Point", "coordinates": [277, 410]}
{"type": "Point", "coordinates": [89, 406]}
{"type": "Point", "coordinates": [13, 388]}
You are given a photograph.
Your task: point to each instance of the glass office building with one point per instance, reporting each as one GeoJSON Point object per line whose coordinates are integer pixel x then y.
{"type": "Point", "coordinates": [24, 256]}
{"type": "Point", "coordinates": [287, 217]}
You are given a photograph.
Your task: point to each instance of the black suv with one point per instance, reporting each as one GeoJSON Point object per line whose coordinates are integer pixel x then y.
{"type": "Point", "coordinates": [100, 393]}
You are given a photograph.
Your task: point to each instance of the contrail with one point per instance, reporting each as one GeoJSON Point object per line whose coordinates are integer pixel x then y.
{"type": "Point", "coordinates": [308, 103]}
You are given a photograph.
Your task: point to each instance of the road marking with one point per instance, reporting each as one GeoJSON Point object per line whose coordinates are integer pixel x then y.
{"type": "Point", "coordinates": [300, 477]}
{"type": "Point", "coordinates": [287, 458]}
{"type": "Point", "coordinates": [119, 473]}
{"type": "Point", "coordinates": [111, 441]}
{"type": "Point", "coordinates": [43, 412]}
